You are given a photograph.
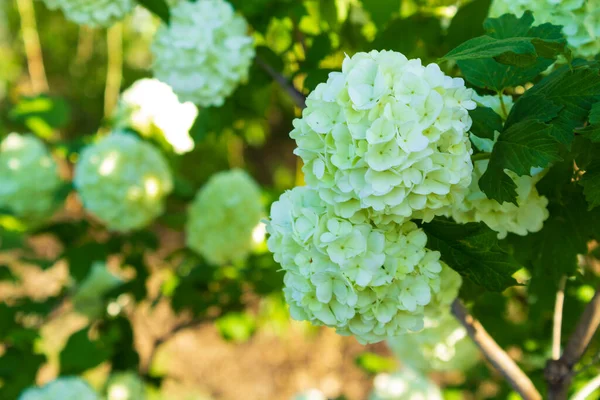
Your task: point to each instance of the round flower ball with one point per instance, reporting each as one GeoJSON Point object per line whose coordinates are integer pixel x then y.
{"type": "Point", "coordinates": [29, 178]}
{"type": "Point", "coordinates": [151, 108]}
{"type": "Point", "coordinates": [369, 280]}
{"type": "Point", "coordinates": [204, 53]}
{"type": "Point", "coordinates": [405, 384]}
{"type": "Point", "coordinates": [125, 386]}
{"type": "Point", "coordinates": [96, 13]}
{"type": "Point", "coordinates": [222, 217]}
{"type": "Point", "coordinates": [580, 19]}
{"type": "Point", "coordinates": [443, 345]}
{"type": "Point", "coordinates": [67, 388]}
{"type": "Point", "coordinates": [387, 135]}
{"type": "Point", "coordinates": [123, 181]}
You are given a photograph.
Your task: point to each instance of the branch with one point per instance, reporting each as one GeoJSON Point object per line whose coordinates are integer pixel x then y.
{"type": "Point", "coordinates": [296, 96]}
{"type": "Point", "coordinates": [558, 312]}
{"type": "Point", "coordinates": [588, 389]}
{"type": "Point", "coordinates": [114, 72]}
{"type": "Point", "coordinates": [559, 372]}
{"type": "Point", "coordinates": [33, 50]}
{"type": "Point", "coordinates": [494, 354]}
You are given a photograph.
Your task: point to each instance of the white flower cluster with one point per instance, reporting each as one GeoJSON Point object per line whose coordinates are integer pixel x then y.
{"type": "Point", "coordinates": [580, 19]}
{"type": "Point", "coordinates": [368, 280]}
{"type": "Point", "coordinates": [405, 384]}
{"type": "Point", "coordinates": [152, 109]}
{"type": "Point", "coordinates": [223, 216]}
{"type": "Point", "coordinates": [95, 13]}
{"type": "Point", "coordinates": [123, 181]}
{"type": "Point", "coordinates": [125, 386]}
{"type": "Point", "coordinates": [204, 53]}
{"type": "Point", "coordinates": [388, 135]}
{"type": "Point", "coordinates": [88, 300]}
{"type": "Point", "coordinates": [68, 388]}
{"type": "Point", "coordinates": [530, 212]}
{"type": "Point", "coordinates": [28, 177]}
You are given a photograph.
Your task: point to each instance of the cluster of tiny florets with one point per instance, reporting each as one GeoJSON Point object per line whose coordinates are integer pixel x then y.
{"type": "Point", "coordinates": [95, 13]}
{"type": "Point", "coordinates": [67, 388]}
{"type": "Point", "coordinates": [151, 108]}
{"type": "Point", "coordinates": [387, 135]}
{"type": "Point", "coordinates": [369, 280]}
{"type": "Point", "coordinates": [125, 386]}
{"type": "Point", "coordinates": [223, 215]}
{"type": "Point", "coordinates": [406, 384]}
{"type": "Point", "coordinates": [580, 19]}
{"type": "Point", "coordinates": [530, 212]}
{"type": "Point", "coordinates": [205, 51]}
{"type": "Point", "coordinates": [28, 177]}
{"type": "Point", "coordinates": [123, 181]}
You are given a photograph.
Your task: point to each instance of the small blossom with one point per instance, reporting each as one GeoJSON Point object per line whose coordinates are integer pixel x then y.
{"type": "Point", "coordinates": [97, 13]}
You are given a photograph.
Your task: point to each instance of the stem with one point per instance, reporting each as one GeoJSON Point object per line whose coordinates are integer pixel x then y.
{"type": "Point", "coordinates": [558, 312]}
{"type": "Point", "coordinates": [481, 156]}
{"type": "Point", "coordinates": [559, 372]}
{"type": "Point", "coordinates": [114, 72]}
{"type": "Point", "coordinates": [588, 389]}
{"type": "Point", "coordinates": [494, 354]}
{"type": "Point", "coordinates": [503, 106]}
{"type": "Point", "coordinates": [296, 96]}
{"type": "Point", "coordinates": [33, 50]}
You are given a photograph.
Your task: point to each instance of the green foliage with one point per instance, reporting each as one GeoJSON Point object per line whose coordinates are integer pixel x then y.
{"type": "Point", "coordinates": [158, 7]}
{"type": "Point", "coordinates": [373, 363]}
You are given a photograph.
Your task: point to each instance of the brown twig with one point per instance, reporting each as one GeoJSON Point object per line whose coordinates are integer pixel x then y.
{"type": "Point", "coordinates": [33, 50]}
{"type": "Point", "coordinates": [557, 320]}
{"type": "Point", "coordinates": [495, 354]}
{"type": "Point", "coordinates": [296, 96]}
{"type": "Point", "coordinates": [559, 372]}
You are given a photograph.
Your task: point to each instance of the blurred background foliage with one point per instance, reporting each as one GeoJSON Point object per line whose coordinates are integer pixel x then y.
{"type": "Point", "coordinates": [168, 288]}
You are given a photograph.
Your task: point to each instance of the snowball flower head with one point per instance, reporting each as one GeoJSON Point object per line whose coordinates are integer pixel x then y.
{"type": "Point", "coordinates": [88, 300]}
{"type": "Point", "coordinates": [369, 280]}
{"type": "Point", "coordinates": [68, 388]}
{"type": "Point", "coordinates": [123, 181]}
{"type": "Point", "coordinates": [530, 212]}
{"type": "Point", "coordinates": [125, 386]}
{"type": "Point", "coordinates": [405, 384]}
{"type": "Point", "coordinates": [28, 177]}
{"type": "Point", "coordinates": [152, 109]}
{"type": "Point", "coordinates": [204, 53]}
{"type": "Point", "coordinates": [387, 135]}
{"type": "Point", "coordinates": [96, 13]}
{"type": "Point", "coordinates": [223, 217]}
{"type": "Point", "coordinates": [580, 19]}
{"type": "Point", "coordinates": [443, 345]}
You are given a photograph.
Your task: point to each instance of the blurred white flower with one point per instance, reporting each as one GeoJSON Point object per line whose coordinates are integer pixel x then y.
{"type": "Point", "coordinates": [125, 386]}
{"type": "Point", "coordinates": [96, 13]}
{"type": "Point", "coordinates": [66, 388]}
{"type": "Point", "coordinates": [405, 384]}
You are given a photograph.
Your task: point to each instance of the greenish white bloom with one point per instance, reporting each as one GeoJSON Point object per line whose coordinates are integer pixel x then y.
{"type": "Point", "coordinates": [67, 388]}
{"type": "Point", "coordinates": [125, 386]}
{"type": "Point", "coordinates": [123, 181]}
{"type": "Point", "coordinates": [530, 212]}
{"type": "Point", "coordinates": [94, 13]}
{"type": "Point", "coordinates": [87, 299]}
{"type": "Point", "coordinates": [204, 53]}
{"type": "Point", "coordinates": [152, 109]}
{"type": "Point", "coordinates": [28, 178]}
{"type": "Point", "coordinates": [369, 280]}
{"type": "Point", "coordinates": [580, 19]}
{"type": "Point", "coordinates": [500, 107]}
{"type": "Point", "coordinates": [387, 135]}
{"type": "Point", "coordinates": [311, 394]}
{"type": "Point", "coordinates": [443, 345]}
{"type": "Point", "coordinates": [405, 384]}
{"type": "Point", "coordinates": [223, 216]}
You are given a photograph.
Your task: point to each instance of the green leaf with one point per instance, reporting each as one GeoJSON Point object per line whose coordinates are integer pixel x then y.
{"type": "Point", "coordinates": [42, 114]}
{"type": "Point", "coordinates": [511, 51]}
{"type": "Point", "coordinates": [571, 91]}
{"type": "Point", "coordinates": [158, 7]}
{"type": "Point", "coordinates": [320, 48]}
{"type": "Point", "coordinates": [6, 274]}
{"type": "Point", "coordinates": [82, 353]}
{"type": "Point", "coordinates": [236, 327]}
{"type": "Point", "coordinates": [381, 11]}
{"type": "Point", "coordinates": [468, 22]}
{"type": "Point", "coordinates": [485, 122]}
{"type": "Point", "coordinates": [591, 184]}
{"type": "Point", "coordinates": [373, 363]}
{"type": "Point", "coordinates": [522, 146]}
{"type": "Point", "coordinates": [472, 250]}
{"type": "Point", "coordinates": [18, 370]}
{"type": "Point", "coordinates": [592, 131]}
{"type": "Point", "coordinates": [418, 33]}
{"type": "Point", "coordinates": [488, 73]}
